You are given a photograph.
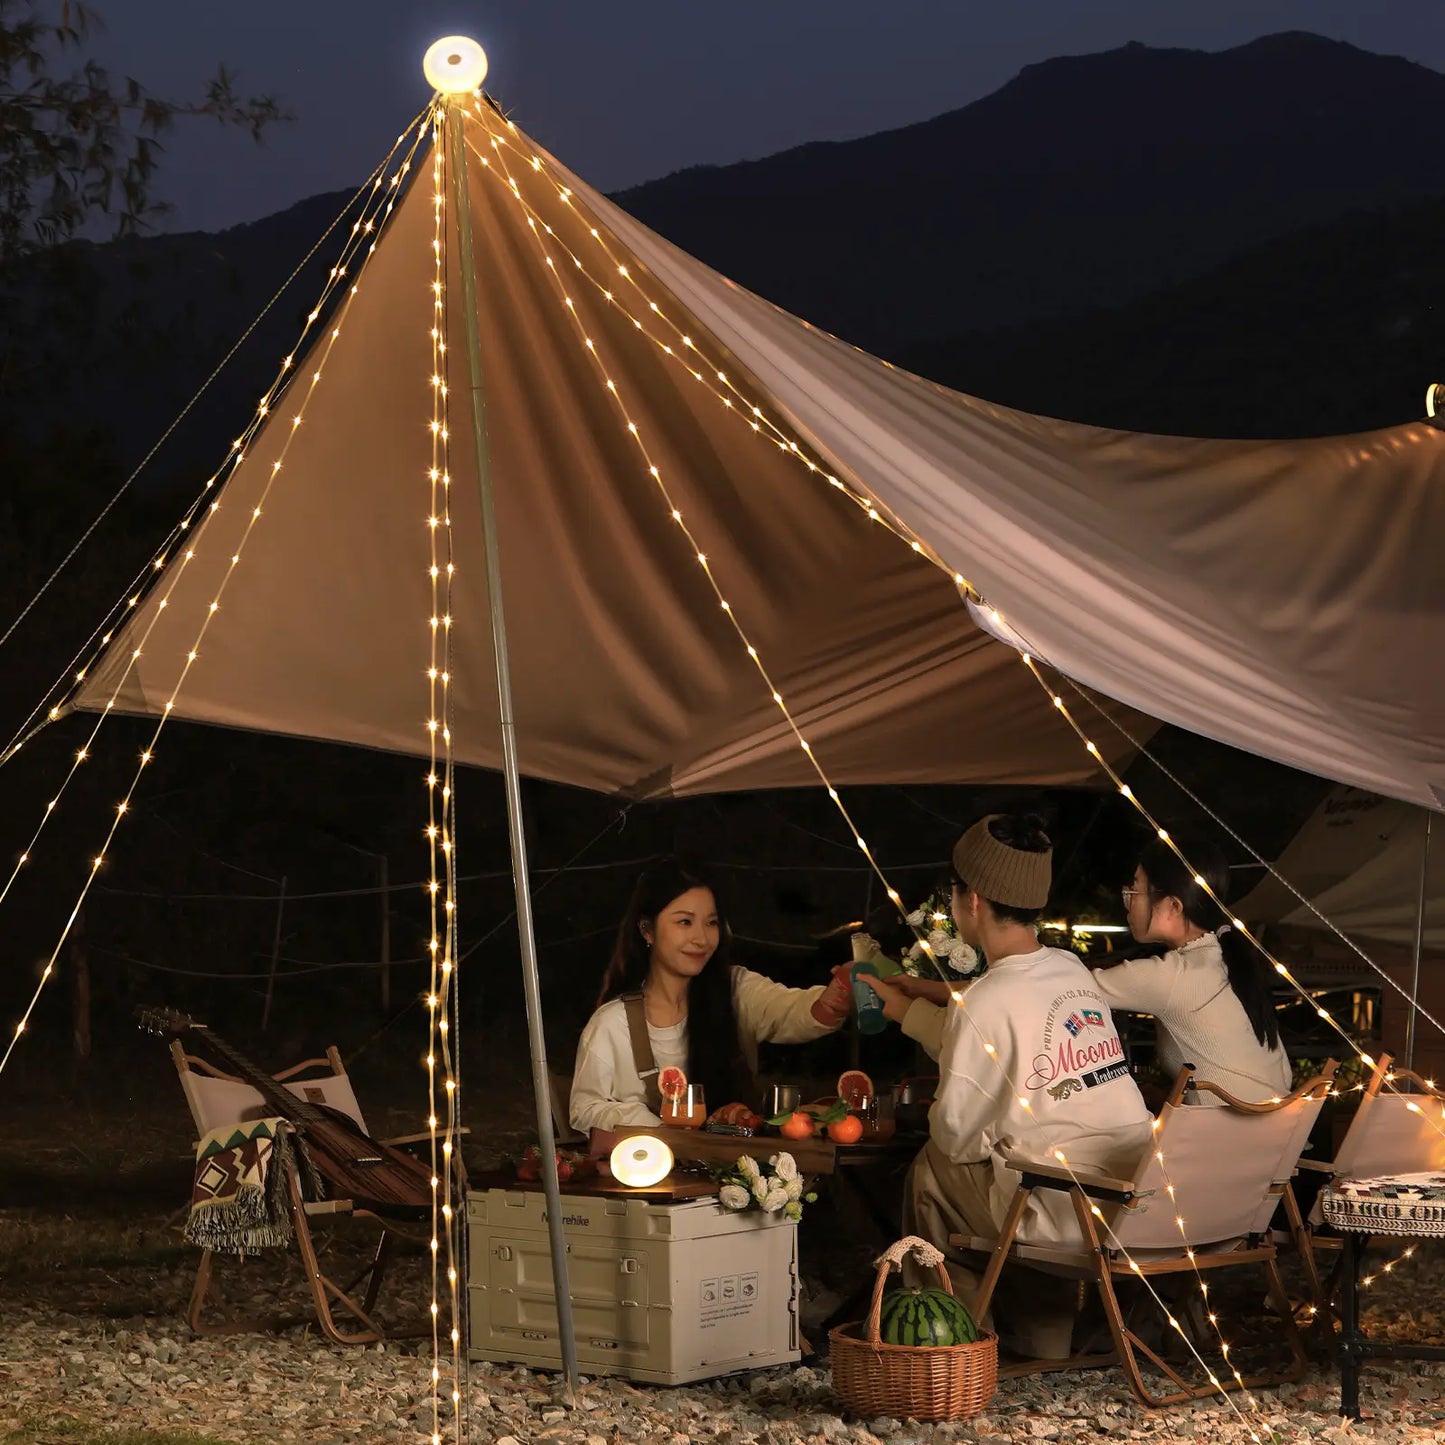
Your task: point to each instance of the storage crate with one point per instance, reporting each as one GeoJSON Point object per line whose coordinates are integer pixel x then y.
{"type": "Point", "coordinates": [661, 1292]}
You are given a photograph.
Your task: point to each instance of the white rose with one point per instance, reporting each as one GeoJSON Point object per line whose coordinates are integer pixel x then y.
{"type": "Point", "coordinates": [784, 1166]}
{"type": "Point", "coordinates": [760, 1190]}
{"type": "Point", "coordinates": [734, 1196]}
{"type": "Point", "coordinates": [939, 941]}
{"type": "Point", "coordinates": [776, 1199]}
{"type": "Point", "coordinates": [793, 1189]}
{"type": "Point", "coordinates": [962, 958]}
{"type": "Point", "coordinates": [793, 1212]}
{"type": "Point", "coordinates": [918, 918]}
{"type": "Point", "coordinates": [749, 1166]}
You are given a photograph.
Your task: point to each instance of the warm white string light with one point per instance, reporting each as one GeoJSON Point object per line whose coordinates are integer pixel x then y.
{"type": "Point", "coordinates": [629, 273]}
{"type": "Point", "coordinates": [653, 472]}
{"type": "Point", "coordinates": [128, 602]}
{"type": "Point", "coordinates": [1125, 791]}
{"type": "Point", "coordinates": [688, 353]}
{"type": "Point", "coordinates": [1419, 1009]}
{"type": "Point", "coordinates": [264, 408]}
{"type": "Point", "coordinates": [47, 710]}
{"type": "Point", "coordinates": [441, 829]}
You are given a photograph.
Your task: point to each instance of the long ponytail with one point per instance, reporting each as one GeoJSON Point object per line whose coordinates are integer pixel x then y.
{"type": "Point", "coordinates": [1250, 974]}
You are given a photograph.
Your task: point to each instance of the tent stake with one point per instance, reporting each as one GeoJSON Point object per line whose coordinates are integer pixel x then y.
{"type": "Point", "coordinates": [1419, 945]}
{"type": "Point", "coordinates": [542, 1094]}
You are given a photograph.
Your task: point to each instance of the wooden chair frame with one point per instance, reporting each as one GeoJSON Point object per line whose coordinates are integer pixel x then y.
{"type": "Point", "coordinates": [1100, 1201]}
{"type": "Point", "coordinates": [357, 1323]}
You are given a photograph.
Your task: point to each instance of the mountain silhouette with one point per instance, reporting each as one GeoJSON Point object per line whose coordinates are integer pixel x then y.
{"type": "Point", "coordinates": [987, 246]}
{"type": "Point", "coordinates": [1085, 181]}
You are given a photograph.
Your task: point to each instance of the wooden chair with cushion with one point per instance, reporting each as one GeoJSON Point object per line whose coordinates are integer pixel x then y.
{"type": "Point", "coordinates": [218, 1099]}
{"type": "Point", "coordinates": [1199, 1201]}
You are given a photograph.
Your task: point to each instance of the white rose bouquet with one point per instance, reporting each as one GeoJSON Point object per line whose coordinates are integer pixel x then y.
{"type": "Point", "coordinates": [932, 919]}
{"type": "Point", "coordinates": [773, 1186]}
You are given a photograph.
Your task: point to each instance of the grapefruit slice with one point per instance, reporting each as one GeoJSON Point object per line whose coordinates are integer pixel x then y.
{"type": "Point", "coordinates": [855, 1088]}
{"type": "Point", "coordinates": [671, 1083]}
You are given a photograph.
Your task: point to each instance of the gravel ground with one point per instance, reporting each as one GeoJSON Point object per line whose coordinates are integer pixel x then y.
{"type": "Point", "coordinates": [69, 1353]}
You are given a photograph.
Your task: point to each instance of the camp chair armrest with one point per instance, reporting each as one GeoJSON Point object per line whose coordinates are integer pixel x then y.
{"type": "Point", "coordinates": [401, 1140]}
{"type": "Point", "coordinates": [1317, 1166]}
{"type": "Point", "coordinates": [1038, 1175]}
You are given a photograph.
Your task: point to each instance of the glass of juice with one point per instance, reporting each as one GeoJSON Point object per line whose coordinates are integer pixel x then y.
{"type": "Point", "coordinates": [687, 1109]}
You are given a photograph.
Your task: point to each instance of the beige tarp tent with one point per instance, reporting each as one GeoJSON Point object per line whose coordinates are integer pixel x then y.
{"type": "Point", "coordinates": [1357, 859]}
{"type": "Point", "coordinates": [1284, 597]}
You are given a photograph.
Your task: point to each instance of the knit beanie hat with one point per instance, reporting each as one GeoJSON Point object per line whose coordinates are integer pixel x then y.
{"type": "Point", "coordinates": [999, 873]}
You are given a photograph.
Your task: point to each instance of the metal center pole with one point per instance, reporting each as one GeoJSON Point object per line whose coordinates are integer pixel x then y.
{"type": "Point", "coordinates": [541, 1089]}
{"type": "Point", "coordinates": [1419, 945]}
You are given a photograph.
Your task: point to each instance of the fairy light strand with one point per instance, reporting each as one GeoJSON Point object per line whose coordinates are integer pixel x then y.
{"type": "Point", "coordinates": [1125, 791]}
{"type": "Point", "coordinates": [629, 274]}
{"type": "Point", "coordinates": [756, 417]}
{"type": "Point", "coordinates": [689, 354]}
{"type": "Point", "coordinates": [153, 570]}
{"type": "Point", "coordinates": [147, 755]}
{"type": "Point", "coordinates": [44, 711]}
{"type": "Point", "coordinates": [1085, 696]}
{"type": "Point", "coordinates": [613, 391]}
{"type": "Point", "coordinates": [441, 830]}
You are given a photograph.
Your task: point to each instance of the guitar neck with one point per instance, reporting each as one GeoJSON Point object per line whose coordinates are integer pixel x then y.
{"type": "Point", "coordinates": [277, 1095]}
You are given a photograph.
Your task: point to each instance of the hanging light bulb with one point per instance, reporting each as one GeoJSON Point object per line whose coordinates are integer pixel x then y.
{"type": "Point", "coordinates": [455, 65]}
{"type": "Point", "coordinates": [641, 1161]}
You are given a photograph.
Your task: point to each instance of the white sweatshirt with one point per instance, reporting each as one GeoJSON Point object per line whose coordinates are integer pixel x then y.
{"type": "Point", "coordinates": [606, 1089]}
{"type": "Point", "coordinates": [1035, 1028]}
{"type": "Point", "coordinates": [1201, 1020]}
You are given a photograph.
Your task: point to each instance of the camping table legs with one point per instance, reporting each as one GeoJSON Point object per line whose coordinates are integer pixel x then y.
{"type": "Point", "coordinates": [1355, 1349]}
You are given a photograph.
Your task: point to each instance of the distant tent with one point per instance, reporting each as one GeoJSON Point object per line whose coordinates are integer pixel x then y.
{"type": "Point", "coordinates": [1284, 597]}
{"type": "Point", "coordinates": [1357, 859]}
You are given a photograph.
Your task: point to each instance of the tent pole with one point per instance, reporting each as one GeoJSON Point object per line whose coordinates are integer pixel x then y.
{"type": "Point", "coordinates": [1419, 946]}
{"type": "Point", "coordinates": [541, 1089]}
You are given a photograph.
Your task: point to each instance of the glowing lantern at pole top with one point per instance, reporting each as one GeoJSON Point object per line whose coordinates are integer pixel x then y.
{"type": "Point", "coordinates": [641, 1161]}
{"type": "Point", "coordinates": [455, 65]}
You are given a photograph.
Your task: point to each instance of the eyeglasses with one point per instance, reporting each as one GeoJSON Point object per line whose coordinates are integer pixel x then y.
{"type": "Point", "coordinates": [1130, 894]}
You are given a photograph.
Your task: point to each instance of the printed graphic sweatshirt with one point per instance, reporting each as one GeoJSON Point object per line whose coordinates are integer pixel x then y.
{"type": "Point", "coordinates": [1031, 1063]}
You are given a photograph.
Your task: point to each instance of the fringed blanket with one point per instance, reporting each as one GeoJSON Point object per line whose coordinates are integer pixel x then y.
{"type": "Point", "coordinates": [238, 1202]}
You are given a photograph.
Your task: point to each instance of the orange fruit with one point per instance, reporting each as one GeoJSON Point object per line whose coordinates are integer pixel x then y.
{"type": "Point", "coordinates": [671, 1082]}
{"type": "Point", "coordinates": [848, 1130]}
{"type": "Point", "coordinates": [854, 1087]}
{"type": "Point", "coordinates": [798, 1126]}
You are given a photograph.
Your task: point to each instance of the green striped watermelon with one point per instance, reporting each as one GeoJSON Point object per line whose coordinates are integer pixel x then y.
{"type": "Point", "coordinates": [925, 1317]}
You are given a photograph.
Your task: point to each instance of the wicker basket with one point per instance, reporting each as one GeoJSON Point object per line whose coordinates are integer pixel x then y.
{"type": "Point", "coordinates": [918, 1382]}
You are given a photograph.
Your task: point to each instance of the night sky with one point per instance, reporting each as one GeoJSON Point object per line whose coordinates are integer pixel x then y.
{"type": "Point", "coordinates": [627, 91]}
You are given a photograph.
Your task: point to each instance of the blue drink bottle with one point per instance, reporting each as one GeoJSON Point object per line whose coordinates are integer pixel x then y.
{"type": "Point", "coordinates": [866, 1003]}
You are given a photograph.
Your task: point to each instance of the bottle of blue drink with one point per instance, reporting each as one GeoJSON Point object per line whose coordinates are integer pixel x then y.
{"type": "Point", "coordinates": [866, 1003]}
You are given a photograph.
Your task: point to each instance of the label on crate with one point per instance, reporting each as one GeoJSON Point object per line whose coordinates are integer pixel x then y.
{"type": "Point", "coordinates": [726, 1297]}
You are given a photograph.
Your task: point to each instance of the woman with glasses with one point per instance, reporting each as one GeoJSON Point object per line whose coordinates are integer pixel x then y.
{"type": "Point", "coordinates": [1210, 989]}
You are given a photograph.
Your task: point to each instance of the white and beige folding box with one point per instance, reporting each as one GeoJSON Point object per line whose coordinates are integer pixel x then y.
{"type": "Point", "coordinates": [661, 1292]}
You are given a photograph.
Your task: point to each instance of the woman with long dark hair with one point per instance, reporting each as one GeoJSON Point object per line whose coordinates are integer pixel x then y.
{"type": "Point", "coordinates": [1211, 991]}
{"type": "Point", "coordinates": [672, 997]}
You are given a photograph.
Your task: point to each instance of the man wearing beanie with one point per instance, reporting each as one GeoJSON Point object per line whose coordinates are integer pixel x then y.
{"type": "Point", "coordinates": [1030, 1063]}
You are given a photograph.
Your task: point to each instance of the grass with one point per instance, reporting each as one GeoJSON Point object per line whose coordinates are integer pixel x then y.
{"type": "Point", "coordinates": [61, 1430]}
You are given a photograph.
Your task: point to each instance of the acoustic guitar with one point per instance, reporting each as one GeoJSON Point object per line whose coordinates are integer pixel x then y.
{"type": "Point", "coordinates": [373, 1175]}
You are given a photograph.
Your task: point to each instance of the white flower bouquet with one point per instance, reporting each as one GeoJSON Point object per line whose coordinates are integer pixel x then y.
{"type": "Point", "coordinates": [934, 919]}
{"type": "Point", "coordinates": [775, 1186]}
{"type": "Point", "coordinates": [931, 920]}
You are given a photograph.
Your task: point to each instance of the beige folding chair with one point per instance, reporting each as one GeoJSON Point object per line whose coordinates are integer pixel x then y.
{"type": "Point", "coordinates": [217, 1099]}
{"type": "Point", "coordinates": [1199, 1200]}
{"type": "Point", "coordinates": [1392, 1132]}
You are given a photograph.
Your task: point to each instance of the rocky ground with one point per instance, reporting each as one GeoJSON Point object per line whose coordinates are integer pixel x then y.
{"type": "Point", "coordinates": [94, 1278]}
